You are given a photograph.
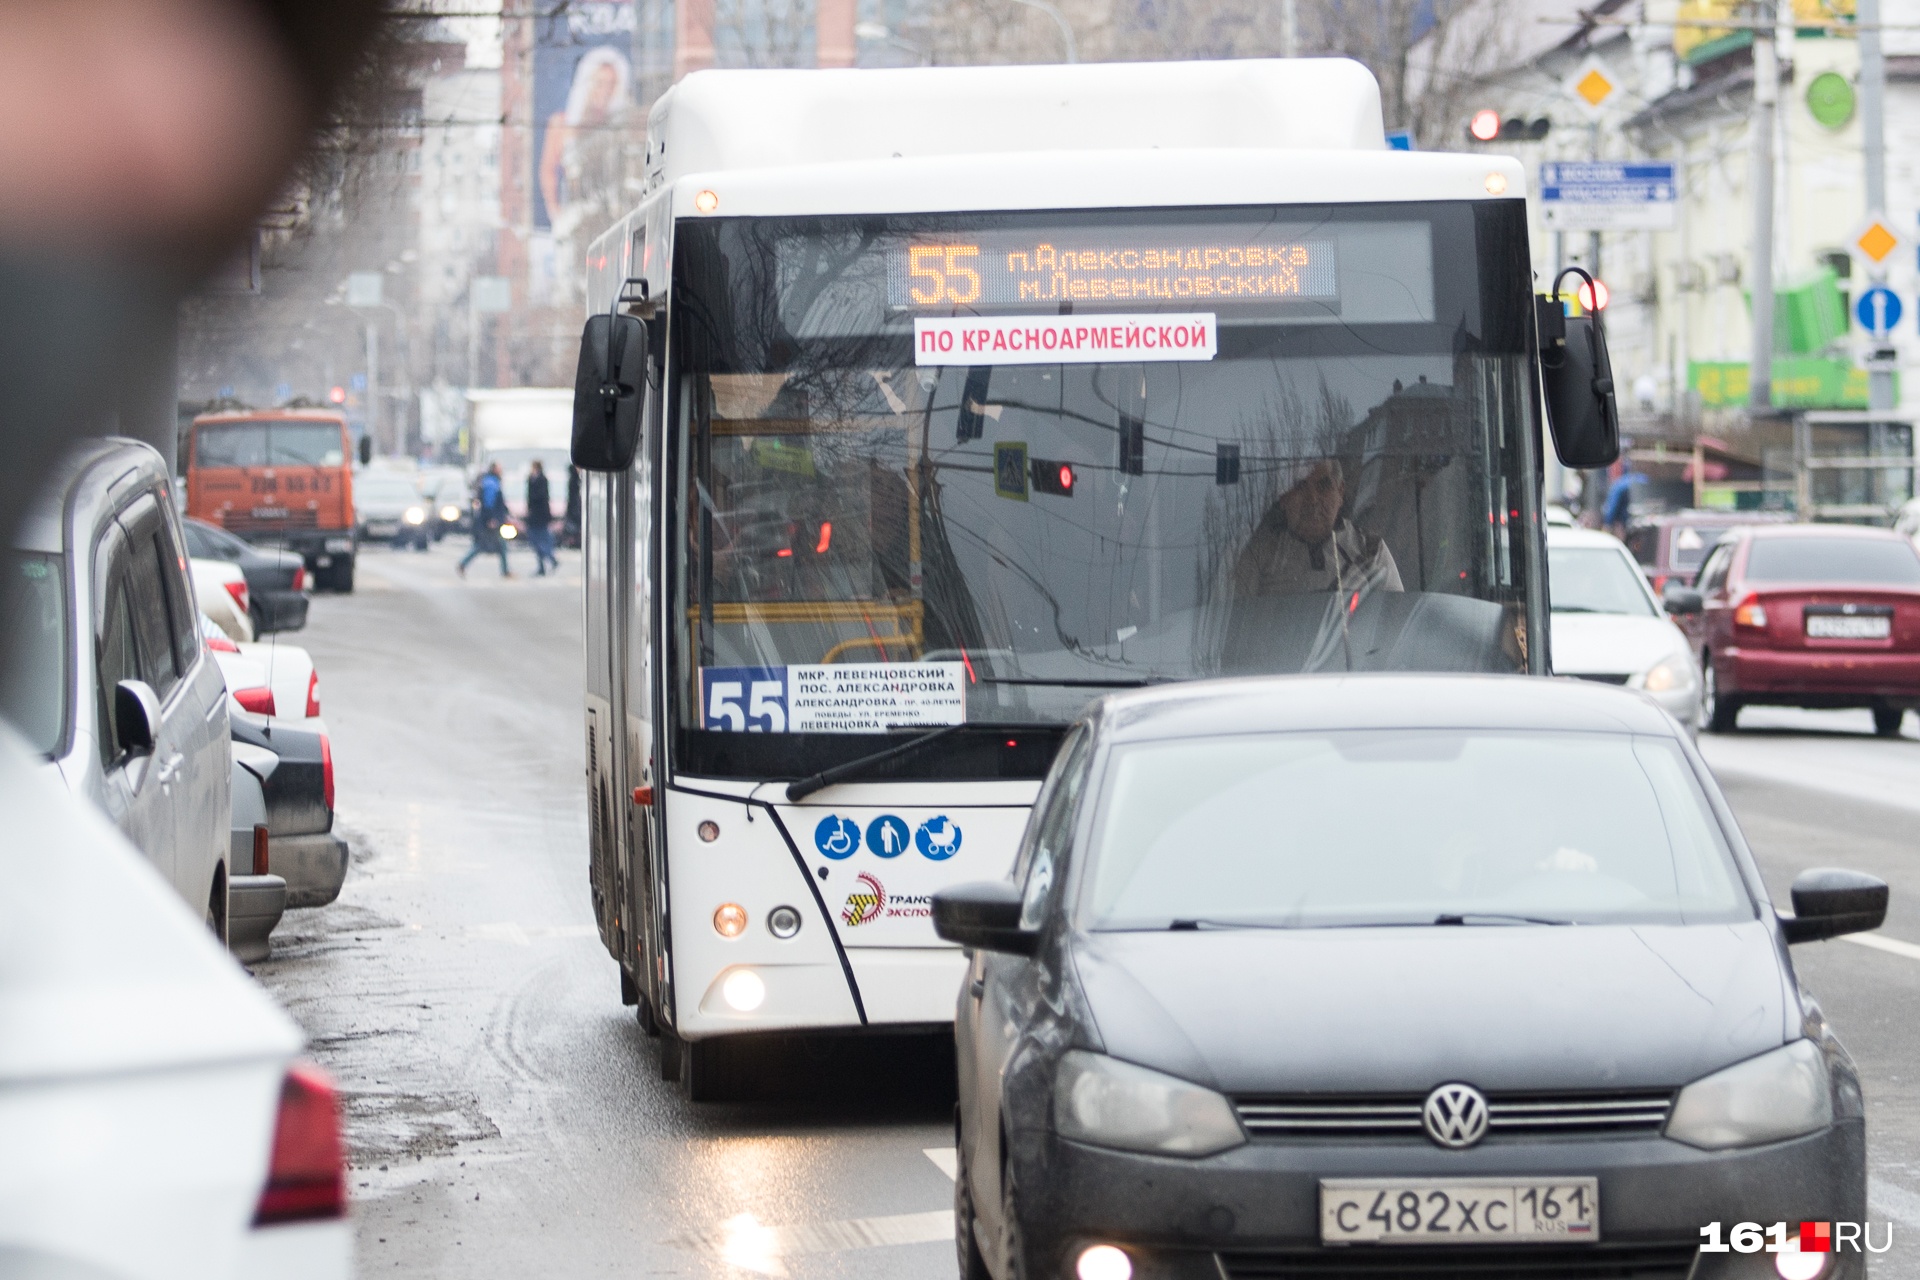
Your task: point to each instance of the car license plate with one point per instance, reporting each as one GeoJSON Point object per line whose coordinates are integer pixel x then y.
{"type": "Point", "coordinates": [269, 513]}
{"type": "Point", "coordinates": [1458, 1210]}
{"type": "Point", "coordinates": [1849, 626]}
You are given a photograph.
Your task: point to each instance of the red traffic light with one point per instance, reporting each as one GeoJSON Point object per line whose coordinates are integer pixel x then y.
{"type": "Point", "coordinates": [1052, 477]}
{"type": "Point", "coordinates": [1485, 125]}
{"type": "Point", "coordinates": [1588, 302]}
{"type": "Point", "coordinates": [338, 395]}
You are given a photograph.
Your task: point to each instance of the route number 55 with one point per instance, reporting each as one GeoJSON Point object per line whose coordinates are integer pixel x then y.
{"type": "Point", "coordinates": [763, 703]}
{"type": "Point", "coordinates": [941, 274]}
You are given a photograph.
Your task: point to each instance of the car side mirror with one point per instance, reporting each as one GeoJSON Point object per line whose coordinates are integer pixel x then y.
{"type": "Point", "coordinates": [1679, 600]}
{"type": "Point", "coordinates": [365, 450]}
{"type": "Point", "coordinates": [985, 916]}
{"type": "Point", "coordinates": [136, 716]}
{"type": "Point", "coordinates": [607, 390]}
{"type": "Point", "coordinates": [1577, 376]}
{"type": "Point", "coordinates": [1828, 902]}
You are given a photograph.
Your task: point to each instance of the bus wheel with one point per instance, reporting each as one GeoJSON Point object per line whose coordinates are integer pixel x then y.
{"type": "Point", "coordinates": [672, 1055]}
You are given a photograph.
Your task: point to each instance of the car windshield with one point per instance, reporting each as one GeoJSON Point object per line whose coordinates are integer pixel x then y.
{"type": "Point", "coordinates": [1866, 561]}
{"type": "Point", "coordinates": [1319, 470]}
{"type": "Point", "coordinates": [1688, 545]}
{"type": "Point", "coordinates": [267, 444]}
{"type": "Point", "coordinates": [1407, 827]}
{"type": "Point", "coordinates": [1596, 580]}
{"type": "Point", "coordinates": [34, 684]}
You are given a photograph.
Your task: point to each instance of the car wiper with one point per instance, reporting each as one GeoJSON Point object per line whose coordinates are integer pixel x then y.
{"type": "Point", "coordinates": [804, 787]}
{"type": "Point", "coordinates": [1474, 917]}
{"type": "Point", "coordinates": [1068, 684]}
{"type": "Point", "coordinates": [1573, 608]}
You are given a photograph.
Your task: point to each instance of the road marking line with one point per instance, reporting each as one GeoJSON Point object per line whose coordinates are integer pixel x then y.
{"type": "Point", "coordinates": [744, 1242]}
{"type": "Point", "coordinates": [1880, 942]}
{"type": "Point", "coordinates": [948, 1158]}
{"type": "Point", "coordinates": [1894, 1202]}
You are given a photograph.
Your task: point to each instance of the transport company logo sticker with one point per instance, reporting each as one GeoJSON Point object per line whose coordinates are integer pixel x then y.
{"type": "Point", "coordinates": [872, 902]}
{"type": "Point", "coordinates": [938, 838]}
{"type": "Point", "coordinates": [837, 837]}
{"type": "Point", "coordinates": [887, 836]}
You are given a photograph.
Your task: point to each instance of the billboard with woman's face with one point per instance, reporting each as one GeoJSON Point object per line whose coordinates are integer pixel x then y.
{"type": "Point", "coordinates": [582, 82]}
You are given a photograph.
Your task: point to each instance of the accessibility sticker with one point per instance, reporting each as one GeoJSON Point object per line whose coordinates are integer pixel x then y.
{"type": "Point", "coordinates": [887, 836]}
{"type": "Point", "coordinates": [837, 837]}
{"type": "Point", "coordinates": [938, 838]}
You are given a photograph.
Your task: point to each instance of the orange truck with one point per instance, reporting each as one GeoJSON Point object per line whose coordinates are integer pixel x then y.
{"type": "Point", "coordinates": [278, 477]}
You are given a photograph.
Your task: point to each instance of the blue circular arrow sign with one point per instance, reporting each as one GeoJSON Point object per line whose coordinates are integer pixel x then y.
{"type": "Point", "coordinates": [1878, 310]}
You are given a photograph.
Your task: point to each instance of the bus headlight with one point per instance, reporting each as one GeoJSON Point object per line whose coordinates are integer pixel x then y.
{"type": "Point", "coordinates": [744, 991]}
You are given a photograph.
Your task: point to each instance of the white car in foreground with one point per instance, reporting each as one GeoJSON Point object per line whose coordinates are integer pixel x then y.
{"type": "Point", "coordinates": [1608, 625]}
{"type": "Point", "coordinates": [154, 1121]}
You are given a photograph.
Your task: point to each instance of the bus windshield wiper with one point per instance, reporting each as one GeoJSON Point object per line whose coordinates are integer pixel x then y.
{"type": "Point", "coordinates": [804, 787]}
{"type": "Point", "coordinates": [1066, 683]}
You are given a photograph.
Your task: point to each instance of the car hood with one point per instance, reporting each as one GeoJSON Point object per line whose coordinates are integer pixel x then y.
{"type": "Point", "coordinates": [1611, 643]}
{"type": "Point", "coordinates": [1401, 1010]}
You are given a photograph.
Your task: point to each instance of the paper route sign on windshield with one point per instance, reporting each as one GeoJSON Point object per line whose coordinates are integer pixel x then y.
{"type": "Point", "coordinates": [974, 340]}
{"type": "Point", "coordinates": [842, 697]}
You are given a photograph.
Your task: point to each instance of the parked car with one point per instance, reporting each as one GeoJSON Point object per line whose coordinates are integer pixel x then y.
{"type": "Point", "coordinates": [158, 1120]}
{"type": "Point", "coordinates": [1672, 546]}
{"type": "Point", "coordinates": [297, 788]}
{"type": "Point", "coordinates": [258, 900]}
{"type": "Point", "coordinates": [220, 591]}
{"type": "Point", "coordinates": [1607, 625]}
{"type": "Point", "coordinates": [276, 580]}
{"type": "Point", "coordinates": [390, 508]}
{"type": "Point", "coordinates": [1807, 616]}
{"type": "Point", "coordinates": [1309, 976]}
{"type": "Point", "coordinates": [116, 689]}
{"type": "Point", "coordinates": [246, 680]}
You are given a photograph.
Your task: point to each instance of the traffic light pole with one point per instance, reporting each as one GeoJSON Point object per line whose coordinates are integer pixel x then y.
{"type": "Point", "coordinates": [1766, 92]}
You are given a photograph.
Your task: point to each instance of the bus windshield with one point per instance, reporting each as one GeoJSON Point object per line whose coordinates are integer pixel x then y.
{"type": "Point", "coordinates": [976, 470]}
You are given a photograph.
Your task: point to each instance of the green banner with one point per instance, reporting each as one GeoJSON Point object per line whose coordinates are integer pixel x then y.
{"type": "Point", "coordinates": [1799, 382]}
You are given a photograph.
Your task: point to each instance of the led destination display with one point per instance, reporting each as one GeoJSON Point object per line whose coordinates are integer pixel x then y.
{"type": "Point", "coordinates": [1015, 268]}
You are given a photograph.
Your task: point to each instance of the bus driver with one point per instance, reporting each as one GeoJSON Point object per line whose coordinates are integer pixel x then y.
{"type": "Point", "coordinates": [1302, 544]}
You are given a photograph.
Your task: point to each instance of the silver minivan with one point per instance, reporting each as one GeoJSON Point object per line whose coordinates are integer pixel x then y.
{"type": "Point", "coordinates": [108, 678]}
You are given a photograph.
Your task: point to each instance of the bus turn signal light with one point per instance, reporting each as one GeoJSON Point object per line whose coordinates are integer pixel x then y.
{"type": "Point", "coordinates": [643, 795]}
{"type": "Point", "coordinates": [730, 920]}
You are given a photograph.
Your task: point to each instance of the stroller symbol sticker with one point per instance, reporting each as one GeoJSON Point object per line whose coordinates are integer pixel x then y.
{"type": "Point", "coordinates": [938, 838]}
{"type": "Point", "coordinates": [837, 837]}
{"type": "Point", "coordinates": [887, 836]}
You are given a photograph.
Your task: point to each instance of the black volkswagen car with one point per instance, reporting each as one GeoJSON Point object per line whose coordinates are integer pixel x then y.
{"type": "Point", "coordinates": [276, 579]}
{"type": "Point", "coordinates": [1394, 975]}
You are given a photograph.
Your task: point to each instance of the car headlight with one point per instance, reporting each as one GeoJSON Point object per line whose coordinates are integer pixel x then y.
{"type": "Point", "coordinates": [449, 513]}
{"type": "Point", "coordinates": [1109, 1103]}
{"type": "Point", "coordinates": [1778, 1095]}
{"type": "Point", "coordinates": [1675, 672]}
{"type": "Point", "coordinates": [416, 515]}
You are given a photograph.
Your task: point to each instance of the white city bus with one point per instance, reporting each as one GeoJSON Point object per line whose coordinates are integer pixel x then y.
{"type": "Point", "coordinates": [973, 393]}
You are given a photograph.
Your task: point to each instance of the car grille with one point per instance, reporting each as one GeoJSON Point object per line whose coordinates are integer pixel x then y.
{"type": "Point", "coordinates": [1514, 1262]}
{"type": "Point", "coordinates": [1508, 1115]}
{"type": "Point", "coordinates": [243, 522]}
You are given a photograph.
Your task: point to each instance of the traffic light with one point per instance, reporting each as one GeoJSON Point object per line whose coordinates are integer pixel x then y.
{"type": "Point", "coordinates": [1226, 464]}
{"type": "Point", "coordinates": [1487, 126]}
{"type": "Point", "coordinates": [338, 395]}
{"type": "Point", "coordinates": [1051, 476]}
{"type": "Point", "coordinates": [1588, 302]}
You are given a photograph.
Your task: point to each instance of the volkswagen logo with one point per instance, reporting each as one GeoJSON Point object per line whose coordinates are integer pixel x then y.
{"type": "Point", "coordinates": [1455, 1115]}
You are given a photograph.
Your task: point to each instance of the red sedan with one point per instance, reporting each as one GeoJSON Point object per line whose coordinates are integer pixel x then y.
{"type": "Point", "coordinates": [1807, 616]}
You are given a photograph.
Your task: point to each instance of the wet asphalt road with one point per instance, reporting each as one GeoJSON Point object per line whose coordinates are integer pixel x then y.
{"type": "Point", "coordinates": [506, 1115]}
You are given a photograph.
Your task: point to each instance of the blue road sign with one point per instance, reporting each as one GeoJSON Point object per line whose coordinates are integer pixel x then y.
{"type": "Point", "coordinates": [1399, 139]}
{"type": "Point", "coordinates": [1878, 310]}
{"type": "Point", "coordinates": [1608, 195]}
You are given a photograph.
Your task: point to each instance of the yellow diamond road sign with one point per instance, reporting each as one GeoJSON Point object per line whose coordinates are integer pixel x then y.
{"type": "Point", "coordinates": [1592, 85]}
{"type": "Point", "coordinates": [1876, 241]}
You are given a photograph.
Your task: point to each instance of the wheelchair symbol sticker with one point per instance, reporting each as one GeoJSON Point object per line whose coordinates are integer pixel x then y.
{"type": "Point", "coordinates": [837, 837]}
{"type": "Point", "coordinates": [938, 838]}
{"type": "Point", "coordinates": [887, 836]}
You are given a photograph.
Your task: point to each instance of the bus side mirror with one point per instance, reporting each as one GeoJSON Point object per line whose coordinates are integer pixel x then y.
{"type": "Point", "coordinates": [366, 450]}
{"type": "Point", "coordinates": [1578, 379]}
{"type": "Point", "coordinates": [607, 392]}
